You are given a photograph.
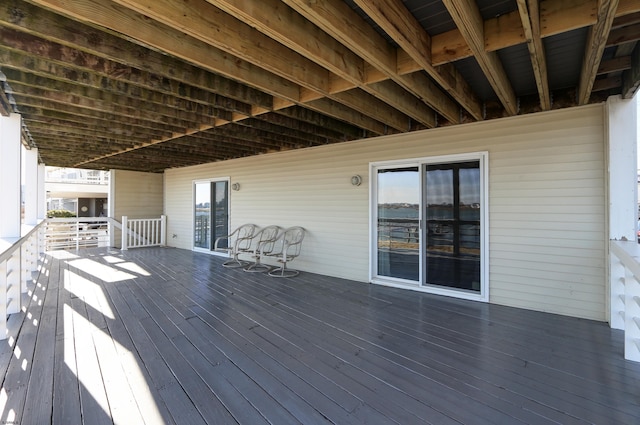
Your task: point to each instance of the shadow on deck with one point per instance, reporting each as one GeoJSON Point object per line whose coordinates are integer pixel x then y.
{"type": "Point", "coordinates": [164, 336]}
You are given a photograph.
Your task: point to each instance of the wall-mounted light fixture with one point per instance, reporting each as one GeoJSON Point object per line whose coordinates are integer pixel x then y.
{"type": "Point", "coordinates": [356, 180]}
{"type": "Point", "coordinates": [235, 186]}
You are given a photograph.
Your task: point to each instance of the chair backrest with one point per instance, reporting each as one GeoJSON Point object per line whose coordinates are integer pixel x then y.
{"type": "Point", "coordinates": [244, 235]}
{"type": "Point", "coordinates": [292, 240]}
{"type": "Point", "coordinates": [266, 239]}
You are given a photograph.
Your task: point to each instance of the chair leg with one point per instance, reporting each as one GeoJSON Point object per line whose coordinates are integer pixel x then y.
{"type": "Point", "coordinates": [257, 267]}
{"type": "Point", "coordinates": [283, 271]}
{"type": "Point", "coordinates": [235, 263]}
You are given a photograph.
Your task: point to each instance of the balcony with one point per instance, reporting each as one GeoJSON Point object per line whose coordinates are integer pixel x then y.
{"type": "Point", "coordinates": [161, 335]}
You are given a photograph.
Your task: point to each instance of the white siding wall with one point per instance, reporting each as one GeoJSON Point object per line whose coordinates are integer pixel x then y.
{"type": "Point", "coordinates": [137, 195]}
{"type": "Point", "coordinates": [546, 199]}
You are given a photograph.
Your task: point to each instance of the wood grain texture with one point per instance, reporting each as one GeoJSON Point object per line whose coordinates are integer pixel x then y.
{"type": "Point", "coordinates": [194, 343]}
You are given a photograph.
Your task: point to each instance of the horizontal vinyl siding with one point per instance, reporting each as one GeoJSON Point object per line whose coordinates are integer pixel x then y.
{"type": "Point", "coordinates": [547, 215]}
{"type": "Point", "coordinates": [546, 203]}
{"type": "Point", "coordinates": [138, 195]}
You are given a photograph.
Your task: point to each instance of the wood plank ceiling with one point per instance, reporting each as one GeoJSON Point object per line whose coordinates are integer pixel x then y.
{"type": "Point", "coordinates": [154, 84]}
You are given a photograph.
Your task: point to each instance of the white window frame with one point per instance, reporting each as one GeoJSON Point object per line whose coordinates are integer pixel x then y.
{"type": "Point", "coordinates": [483, 158]}
{"type": "Point", "coordinates": [193, 203]}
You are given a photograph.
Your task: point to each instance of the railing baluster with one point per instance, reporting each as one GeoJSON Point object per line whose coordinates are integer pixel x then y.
{"type": "Point", "coordinates": [625, 294]}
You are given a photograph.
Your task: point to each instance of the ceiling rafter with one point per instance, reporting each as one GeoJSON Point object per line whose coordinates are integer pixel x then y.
{"type": "Point", "coordinates": [466, 15]}
{"type": "Point", "coordinates": [211, 25]}
{"type": "Point", "coordinates": [310, 41]}
{"type": "Point", "coordinates": [394, 18]}
{"type": "Point", "coordinates": [596, 42]}
{"type": "Point", "coordinates": [154, 84]}
{"type": "Point", "coordinates": [530, 18]}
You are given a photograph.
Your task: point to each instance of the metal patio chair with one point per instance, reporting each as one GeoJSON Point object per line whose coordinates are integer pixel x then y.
{"type": "Point", "coordinates": [265, 243]}
{"type": "Point", "coordinates": [237, 242]}
{"type": "Point", "coordinates": [288, 247]}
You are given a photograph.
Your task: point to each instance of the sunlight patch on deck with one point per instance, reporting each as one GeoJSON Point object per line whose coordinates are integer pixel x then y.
{"type": "Point", "coordinates": [88, 291]}
{"type": "Point", "coordinates": [100, 271]}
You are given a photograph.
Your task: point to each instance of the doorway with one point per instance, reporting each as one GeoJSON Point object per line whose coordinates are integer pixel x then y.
{"type": "Point", "coordinates": [429, 229]}
{"type": "Point", "coordinates": [211, 213]}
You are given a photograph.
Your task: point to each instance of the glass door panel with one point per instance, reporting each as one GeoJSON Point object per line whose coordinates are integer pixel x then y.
{"type": "Point", "coordinates": [221, 219]}
{"type": "Point", "coordinates": [202, 216]}
{"type": "Point", "coordinates": [211, 213]}
{"type": "Point", "coordinates": [452, 215]}
{"type": "Point", "coordinates": [398, 223]}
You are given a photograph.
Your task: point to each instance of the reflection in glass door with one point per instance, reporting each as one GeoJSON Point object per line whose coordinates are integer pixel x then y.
{"type": "Point", "coordinates": [211, 213]}
{"type": "Point", "coordinates": [452, 216]}
{"type": "Point", "coordinates": [398, 223]}
{"type": "Point", "coordinates": [429, 225]}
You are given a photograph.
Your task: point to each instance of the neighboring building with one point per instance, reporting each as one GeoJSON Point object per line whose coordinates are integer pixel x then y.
{"type": "Point", "coordinates": [83, 192]}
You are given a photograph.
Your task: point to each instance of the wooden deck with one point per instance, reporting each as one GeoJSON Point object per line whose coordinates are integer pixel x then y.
{"type": "Point", "coordinates": [162, 335]}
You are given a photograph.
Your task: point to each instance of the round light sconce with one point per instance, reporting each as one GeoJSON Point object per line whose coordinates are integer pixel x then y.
{"type": "Point", "coordinates": [356, 180]}
{"type": "Point", "coordinates": [235, 186]}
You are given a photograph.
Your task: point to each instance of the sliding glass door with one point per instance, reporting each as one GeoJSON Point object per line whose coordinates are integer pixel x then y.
{"type": "Point", "coordinates": [452, 213]}
{"type": "Point", "coordinates": [211, 213]}
{"type": "Point", "coordinates": [429, 228]}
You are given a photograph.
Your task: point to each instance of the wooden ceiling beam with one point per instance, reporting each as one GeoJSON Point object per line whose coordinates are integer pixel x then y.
{"type": "Point", "coordinates": [47, 57]}
{"type": "Point", "coordinates": [308, 116]}
{"type": "Point", "coordinates": [338, 20]}
{"type": "Point", "coordinates": [398, 23]}
{"type": "Point", "coordinates": [617, 64]}
{"type": "Point", "coordinates": [530, 18]}
{"type": "Point", "coordinates": [155, 117]}
{"type": "Point", "coordinates": [466, 15]}
{"type": "Point", "coordinates": [89, 129]}
{"type": "Point", "coordinates": [310, 41]}
{"type": "Point", "coordinates": [506, 30]}
{"type": "Point", "coordinates": [176, 43]}
{"type": "Point", "coordinates": [198, 17]}
{"type": "Point", "coordinates": [596, 42]}
{"type": "Point", "coordinates": [301, 126]}
{"type": "Point", "coordinates": [34, 20]}
{"type": "Point", "coordinates": [623, 35]}
{"type": "Point", "coordinates": [631, 77]}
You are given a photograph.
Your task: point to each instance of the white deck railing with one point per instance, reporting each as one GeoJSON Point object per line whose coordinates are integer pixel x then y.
{"type": "Point", "coordinates": [18, 261]}
{"type": "Point", "coordinates": [143, 232]}
{"type": "Point", "coordinates": [625, 294]}
{"type": "Point", "coordinates": [76, 233]}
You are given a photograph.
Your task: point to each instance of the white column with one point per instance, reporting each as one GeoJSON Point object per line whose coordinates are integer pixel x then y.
{"type": "Point", "coordinates": [10, 146]}
{"type": "Point", "coordinates": [30, 186]}
{"type": "Point", "coordinates": [10, 130]}
{"type": "Point", "coordinates": [42, 193]}
{"type": "Point", "coordinates": [622, 134]}
{"type": "Point", "coordinates": [622, 190]}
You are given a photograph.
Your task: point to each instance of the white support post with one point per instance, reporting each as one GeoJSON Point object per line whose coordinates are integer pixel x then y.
{"type": "Point", "coordinates": [30, 186]}
{"type": "Point", "coordinates": [621, 135]}
{"type": "Point", "coordinates": [125, 231]}
{"type": "Point", "coordinates": [163, 230]}
{"type": "Point", "coordinates": [622, 168]}
{"type": "Point", "coordinates": [42, 193]}
{"type": "Point", "coordinates": [10, 130]}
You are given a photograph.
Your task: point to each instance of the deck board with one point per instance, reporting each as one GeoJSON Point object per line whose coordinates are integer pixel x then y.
{"type": "Point", "coordinates": [167, 336]}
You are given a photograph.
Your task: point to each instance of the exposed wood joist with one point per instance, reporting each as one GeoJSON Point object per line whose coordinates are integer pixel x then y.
{"type": "Point", "coordinates": [139, 82]}
{"type": "Point", "coordinates": [596, 42]}
{"type": "Point", "coordinates": [209, 24]}
{"type": "Point", "coordinates": [466, 15]}
{"type": "Point", "coordinates": [415, 42]}
{"type": "Point", "coordinates": [194, 51]}
{"type": "Point", "coordinates": [530, 18]}
{"type": "Point", "coordinates": [631, 77]}
{"type": "Point", "coordinates": [310, 41]}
